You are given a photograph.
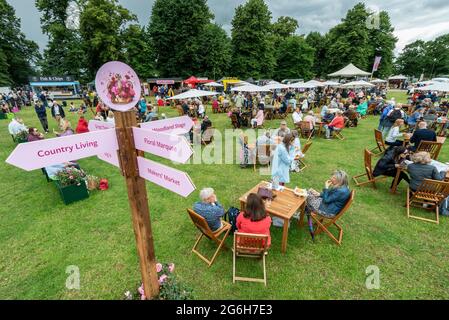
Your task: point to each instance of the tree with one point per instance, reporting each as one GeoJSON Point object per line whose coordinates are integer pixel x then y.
{"type": "Point", "coordinates": [285, 26]}
{"type": "Point", "coordinates": [64, 53]}
{"type": "Point", "coordinates": [252, 43]}
{"type": "Point", "coordinates": [383, 42]}
{"type": "Point", "coordinates": [348, 42]}
{"type": "Point", "coordinates": [412, 60]}
{"type": "Point", "coordinates": [318, 43]}
{"type": "Point", "coordinates": [216, 50]}
{"type": "Point", "coordinates": [102, 25]}
{"type": "Point", "coordinates": [295, 59]}
{"type": "Point", "coordinates": [437, 56]}
{"type": "Point", "coordinates": [138, 52]}
{"type": "Point", "coordinates": [175, 29]}
{"type": "Point", "coordinates": [17, 54]}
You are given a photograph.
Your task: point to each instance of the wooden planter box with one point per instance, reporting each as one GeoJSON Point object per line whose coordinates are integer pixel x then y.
{"type": "Point", "coordinates": [73, 193]}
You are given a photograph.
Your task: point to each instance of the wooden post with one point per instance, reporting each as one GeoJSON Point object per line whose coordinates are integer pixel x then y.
{"type": "Point", "coordinates": [138, 200]}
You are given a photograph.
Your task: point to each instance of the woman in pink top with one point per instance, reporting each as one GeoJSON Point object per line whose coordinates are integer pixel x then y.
{"type": "Point", "coordinates": [254, 219]}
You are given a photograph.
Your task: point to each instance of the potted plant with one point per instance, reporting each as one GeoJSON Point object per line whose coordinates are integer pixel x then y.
{"type": "Point", "coordinates": [71, 184]}
{"type": "Point", "coordinates": [21, 137]}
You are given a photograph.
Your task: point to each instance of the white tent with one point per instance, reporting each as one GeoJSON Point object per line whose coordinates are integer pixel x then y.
{"type": "Point", "coordinates": [241, 83]}
{"type": "Point", "coordinates": [250, 88]}
{"type": "Point", "coordinates": [302, 85]}
{"type": "Point", "coordinates": [273, 85]}
{"type": "Point", "coordinates": [378, 81]}
{"type": "Point", "coordinates": [358, 84]}
{"type": "Point", "coordinates": [213, 84]}
{"type": "Point", "coordinates": [399, 77]}
{"type": "Point", "coordinates": [194, 93]}
{"type": "Point", "coordinates": [438, 86]}
{"type": "Point", "coordinates": [315, 83]}
{"type": "Point", "coordinates": [425, 83]}
{"type": "Point", "coordinates": [331, 84]}
{"type": "Point", "coordinates": [349, 71]}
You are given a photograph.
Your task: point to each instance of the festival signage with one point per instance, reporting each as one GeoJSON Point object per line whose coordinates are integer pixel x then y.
{"type": "Point", "coordinates": [178, 125]}
{"type": "Point", "coordinates": [39, 154]}
{"type": "Point", "coordinates": [95, 125]}
{"type": "Point", "coordinates": [174, 180]}
{"type": "Point", "coordinates": [175, 148]}
{"type": "Point", "coordinates": [118, 86]}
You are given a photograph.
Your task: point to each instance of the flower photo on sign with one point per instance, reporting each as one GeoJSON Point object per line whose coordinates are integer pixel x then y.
{"type": "Point", "coordinates": [118, 85]}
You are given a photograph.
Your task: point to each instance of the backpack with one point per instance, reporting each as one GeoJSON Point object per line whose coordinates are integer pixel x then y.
{"type": "Point", "coordinates": [395, 115]}
{"type": "Point", "coordinates": [231, 217]}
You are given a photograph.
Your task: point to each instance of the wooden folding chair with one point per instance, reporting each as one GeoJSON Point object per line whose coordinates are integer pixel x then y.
{"type": "Point", "coordinates": [338, 134]}
{"type": "Point", "coordinates": [380, 143]}
{"type": "Point", "coordinates": [250, 246]}
{"type": "Point", "coordinates": [431, 147]}
{"type": "Point", "coordinates": [207, 136]}
{"type": "Point", "coordinates": [368, 172]}
{"type": "Point", "coordinates": [302, 164]}
{"type": "Point", "coordinates": [323, 223]}
{"type": "Point", "coordinates": [431, 193]}
{"type": "Point", "coordinates": [202, 225]}
{"type": "Point", "coordinates": [305, 131]}
{"type": "Point", "coordinates": [263, 155]}
{"type": "Point", "coordinates": [235, 121]}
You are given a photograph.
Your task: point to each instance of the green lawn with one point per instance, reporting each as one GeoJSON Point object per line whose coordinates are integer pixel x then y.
{"type": "Point", "coordinates": [40, 236]}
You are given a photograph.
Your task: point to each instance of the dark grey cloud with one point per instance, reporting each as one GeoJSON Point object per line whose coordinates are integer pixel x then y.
{"type": "Point", "coordinates": [412, 19]}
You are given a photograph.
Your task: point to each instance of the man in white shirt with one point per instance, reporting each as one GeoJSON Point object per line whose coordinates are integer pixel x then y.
{"type": "Point", "coordinates": [297, 116]}
{"type": "Point", "coordinates": [16, 125]}
{"type": "Point", "coordinates": [282, 130]}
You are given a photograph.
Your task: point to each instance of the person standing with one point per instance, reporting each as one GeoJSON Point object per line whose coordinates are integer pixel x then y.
{"type": "Point", "coordinates": [57, 111]}
{"type": "Point", "coordinates": [282, 160]}
{"type": "Point", "coordinates": [41, 113]}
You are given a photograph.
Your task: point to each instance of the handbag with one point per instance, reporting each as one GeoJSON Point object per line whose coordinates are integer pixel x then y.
{"type": "Point", "coordinates": [265, 193]}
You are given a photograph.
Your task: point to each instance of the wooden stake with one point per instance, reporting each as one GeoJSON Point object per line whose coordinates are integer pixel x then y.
{"type": "Point", "coordinates": [138, 201]}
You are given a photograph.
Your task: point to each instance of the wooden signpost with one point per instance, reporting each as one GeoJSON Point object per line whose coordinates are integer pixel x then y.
{"type": "Point", "coordinates": [119, 88]}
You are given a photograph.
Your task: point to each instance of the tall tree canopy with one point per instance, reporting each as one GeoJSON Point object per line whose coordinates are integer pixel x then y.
{"type": "Point", "coordinates": [294, 59]}
{"type": "Point", "coordinates": [176, 29]}
{"type": "Point", "coordinates": [253, 47]}
{"type": "Point", "coordinates": [17, 54]}
{"type": "Point", "coordinates": [102, 27]}
{"type": "Point", "coordinates": [319, 43]}
{"type": "Point", "coordinates": [64, 54]}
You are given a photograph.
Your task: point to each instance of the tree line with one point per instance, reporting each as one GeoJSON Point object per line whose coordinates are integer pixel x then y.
{"type": "Point", "coordinates": [181, 40]}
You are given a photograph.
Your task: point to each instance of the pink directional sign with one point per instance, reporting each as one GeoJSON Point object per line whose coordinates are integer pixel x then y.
{"type": "Point", "coordinates": [38, 154]}
{"type": "Point", "coordinates": [172, 147]}
{"type": "Point", "coordinates": [95, 125]}
{"type": "Point", "coordinates": [178, 125]}
{"type": "Point", "coordinates": [166, 177]}
{"type": "Point", "coordinates": [110, 157]}
{"type": "Point", "coordinates": [118, 85]}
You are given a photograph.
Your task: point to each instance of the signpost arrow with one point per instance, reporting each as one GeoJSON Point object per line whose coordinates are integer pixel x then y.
{"type": "Point", "coordinates": [166, 177]}
{"type": "Point", "coordinates": [178, 125]}
{"type": "Point", "coordinates": [95, 125]}
{"type": "Point", "coordinates": [38, 154]}
{"type": "Point", "coordinates": [175, 148]}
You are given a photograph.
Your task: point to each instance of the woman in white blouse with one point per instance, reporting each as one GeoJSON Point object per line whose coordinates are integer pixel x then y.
{"type": "Point", "coordinates": [394, 134]}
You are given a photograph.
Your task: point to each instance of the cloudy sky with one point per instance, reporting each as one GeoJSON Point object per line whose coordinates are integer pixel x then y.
{"type": "Point", "coordinates": [412, 19]}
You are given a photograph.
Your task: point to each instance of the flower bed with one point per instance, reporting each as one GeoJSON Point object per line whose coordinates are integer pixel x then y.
{"type": "Point", "coordinates": [71, 184]}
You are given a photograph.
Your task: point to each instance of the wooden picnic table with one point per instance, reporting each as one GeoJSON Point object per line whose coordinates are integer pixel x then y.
{"type": "Point", "coordinates": [283, 206]}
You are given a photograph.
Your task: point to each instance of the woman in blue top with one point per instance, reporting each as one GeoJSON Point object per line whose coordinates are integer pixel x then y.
{"type": "Point", "coordinates": [282, 160]}
{"type": "Point", "coordinates": [333, 198]}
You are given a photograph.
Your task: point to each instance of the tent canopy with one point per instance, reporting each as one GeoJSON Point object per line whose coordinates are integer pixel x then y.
{"type": "Point", "coordinates": [194, 80]}
{"type": "Point", "coordinates": [437, 86]}
{"type": "Point", "coordinates": [273, 85]}
{"type": "Point", "coordinates": [349, 71]}
{"type": "Point", "coordinates": [315, 83]}
{"type": "Point", "coordinates": [213, 84]}
{"type": "Point", "coordinates": [378, 81]}
{"type": "Point", "coordinates": [331, 84]}
{"type": "Point", "coordinates": [250, 88]}
{"type": "Point", "coordinates": [358, 84]}
{"type": "Point", "coordinates": [399, 77]}
{"type": "Point", "coordinates": [194, 93]}
{"type": "Point", "coordinates": [302, 85]}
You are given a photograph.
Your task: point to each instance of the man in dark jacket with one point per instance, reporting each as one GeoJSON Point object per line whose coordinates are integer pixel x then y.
{"type": "Point", "coordinates": [390, 161]}
{"type": "Point", "coordinates": [422, 134]}
{"type": "Point", "coordinates": [41, 112]}
{"type": "Point", "coordinates": [57, 110]}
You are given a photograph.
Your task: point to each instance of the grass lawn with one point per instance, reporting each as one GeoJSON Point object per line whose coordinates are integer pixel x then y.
{"type": "Point", "coordinates": [40, 236]}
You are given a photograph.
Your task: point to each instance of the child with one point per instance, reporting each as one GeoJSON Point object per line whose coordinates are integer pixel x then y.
{"type": "Point", "coordinates": [298, 152]}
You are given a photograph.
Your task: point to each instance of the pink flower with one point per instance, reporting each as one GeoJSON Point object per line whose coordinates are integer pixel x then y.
{"type": "Point", "coordinates": [162, 278]}
{"type": "Point", "coordinates": [71, 177]}
{"type": "Point", "coordinates": [158, 267]}
{"type": "Point", "coordinates": [171, 267]}
{"type": "Point", "coordinates": [142, 293]}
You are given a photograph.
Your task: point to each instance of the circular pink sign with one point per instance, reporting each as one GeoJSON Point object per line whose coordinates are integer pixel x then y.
{"type": "Point", "coordinates": [118, 85]}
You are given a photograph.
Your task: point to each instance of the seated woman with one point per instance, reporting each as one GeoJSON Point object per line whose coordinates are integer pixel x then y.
{"type": "Point", "coordinates": [421, 169]}
{"type": "Point", "coordinates": [254, 219]}
{"type": "Point", "coordinates": [83, 125]}
{"type": "Point", "coordinates": [209, 208]}
{"type": "Point", "coordinates": [334, 197]}
{"type": "Point", "coordinates": [34, 135]}
{"type": "Point", "coordinates": [66, 129]}
{"type": "Point", "coordinates": [362, 108]}
{"type": "Point", "coordinates": [390, 161]}
{"type": "Point", "coordinates": [298, 152]}
{"type": "Point", "coordinates": [258, 119]}
{"type": "Point", "coordinates": [394, 133]}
